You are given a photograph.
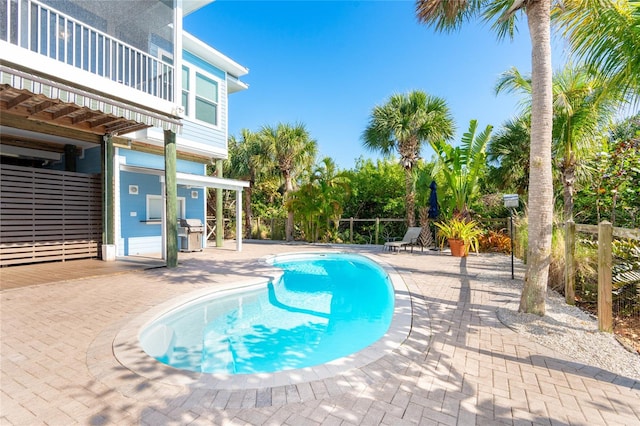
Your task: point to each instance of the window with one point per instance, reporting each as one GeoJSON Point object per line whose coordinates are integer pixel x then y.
{"type": "Point", "coordinates": [185, 90]}
{"type": "Point", "coordinates": [154, 207]}
{"type": "Point", "coordinates": [155, 204]}
{"type": "Point", "coordinates": [200, 95]}
{"type": "Point", "coordinates": [206, 100]}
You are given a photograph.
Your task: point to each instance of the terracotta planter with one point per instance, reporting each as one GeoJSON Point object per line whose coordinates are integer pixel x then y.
{"type": "Point", "coordinates": [458, 248]}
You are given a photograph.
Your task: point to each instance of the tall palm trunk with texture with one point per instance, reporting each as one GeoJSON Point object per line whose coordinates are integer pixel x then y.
{"type": "Point", "coordinates": [568, 170]}
{"type": "Point", "coordinates": [410, 197]}
{"type": "Point", "coordinates": [288, 189]}
{"type": "Point", "coordinates": [540, 174]}
{"type": "Point", "coordinates": [248, 211]}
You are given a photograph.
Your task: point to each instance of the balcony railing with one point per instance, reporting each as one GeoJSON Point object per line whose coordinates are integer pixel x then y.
{"type": "Point", "coordinates": [41, 29]}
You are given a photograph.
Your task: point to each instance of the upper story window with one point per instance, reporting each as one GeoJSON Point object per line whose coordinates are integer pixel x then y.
{"type": "Point", "coordinates": [185, 90]}
{"type": "Point", "coordinates": [206, 99]}
{"type": "Point", "coordinates": [200, 96]}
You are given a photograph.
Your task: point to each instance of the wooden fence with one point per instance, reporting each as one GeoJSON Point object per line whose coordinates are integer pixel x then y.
{"type": "Point", "coordinates": [605, 232]}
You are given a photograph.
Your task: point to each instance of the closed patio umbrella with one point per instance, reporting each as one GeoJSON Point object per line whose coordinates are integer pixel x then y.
{"type": "Point", "coordinates": [434, 210]}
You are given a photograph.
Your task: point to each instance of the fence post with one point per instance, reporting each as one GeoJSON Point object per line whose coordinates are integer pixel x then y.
{"type": "Point", "coordinates": [377, 229]}
{"type": "Point", "coordinates": [569, 262]}
{"type": "Point", "coordinates": [351, 231]}
{"type": "Point", "coordinates": [605, 297]}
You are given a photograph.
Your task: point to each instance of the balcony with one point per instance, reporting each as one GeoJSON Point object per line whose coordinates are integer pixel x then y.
{"type": "Point", "coordinates": [39, 28]}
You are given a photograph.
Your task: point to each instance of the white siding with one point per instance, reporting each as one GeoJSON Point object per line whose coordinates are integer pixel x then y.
{"type": "Point", "coordinates": [203, 134]}
{"type": "Point", "coordinates": [144, 245]}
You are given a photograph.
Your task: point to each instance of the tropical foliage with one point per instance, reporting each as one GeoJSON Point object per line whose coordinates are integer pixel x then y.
{"type": "Point", "coordinates": [462, 166]}
{"type": "Point", "coordinates": [508, 156]}
{"type": "Point", "coordinates": [614, 192]}
{"type": "Point", "coordinates": [377, 189]}
{"type": "Point", "coordinates": [402, 125]}
{"type": "Point", "coordinates": [604, 34]}
{"type": "Point", "coordinates": [495, 241]}
{"type": "Point", "coordinates": [318, 204]}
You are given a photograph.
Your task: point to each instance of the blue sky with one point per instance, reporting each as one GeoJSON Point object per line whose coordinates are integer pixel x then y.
{"type": "Point", "coordinates": [328, 63]}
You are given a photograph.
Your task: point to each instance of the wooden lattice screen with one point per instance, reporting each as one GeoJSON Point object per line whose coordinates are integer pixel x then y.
{"type": "Point", "coordinates": [48, 215]}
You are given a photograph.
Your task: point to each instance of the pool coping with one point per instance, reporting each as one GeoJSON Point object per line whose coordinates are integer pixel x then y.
{"type": "Point", "coordinates": [129, 353]}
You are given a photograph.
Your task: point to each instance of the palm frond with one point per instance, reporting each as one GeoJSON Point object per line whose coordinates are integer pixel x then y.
{"type": "Point", "coordinates": [606, 36]}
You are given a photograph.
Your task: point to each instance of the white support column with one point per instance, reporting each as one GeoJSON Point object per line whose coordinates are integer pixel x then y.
{"type": "Point", "coordinates": [204, 207]}
{"type": "Point", "coordinates": [117, 219]}
{"type": "Point", "coordinates": [239, 220]}
{"type": "Point", "coordinates": [177, 53]}
{"type": "Point", "coordinates": [163, 227]}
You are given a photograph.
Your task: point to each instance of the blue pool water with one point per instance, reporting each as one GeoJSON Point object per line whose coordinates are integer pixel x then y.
{"type": "Point", "coordinates": [324, 307]}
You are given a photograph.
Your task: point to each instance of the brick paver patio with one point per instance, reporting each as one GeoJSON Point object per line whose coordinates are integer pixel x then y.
{"type": "Point", "coordinates": [459, 365]}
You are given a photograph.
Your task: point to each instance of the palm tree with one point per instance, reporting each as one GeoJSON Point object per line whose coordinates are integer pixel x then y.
{"type": "Point", "coordinates": [449, 14]}
{"type": "Point", "coordinates": [246, 162]}
{"type": "Point", "coordinates": [292, 150]}
{"type": "Point", "coordinates": [334, 188]}
{"type": "Point", "coordinates": [403, 124]}
{"type": "Point", "coordinates": [509, 147]}
{"type": "Point", "coordinates": [581, 109]}
{"type": "Point", "coordinates": [306, 203]}
{"type": "Point", "coordinates": [604, 34]}
{"type": "Point", "coordinates": [319, 202]}
{"type": "Point", "coordinates": [462, 165]}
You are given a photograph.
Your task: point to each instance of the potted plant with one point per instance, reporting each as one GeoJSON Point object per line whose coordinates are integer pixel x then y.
{"type": "Point", "coordinates": [461, 235]}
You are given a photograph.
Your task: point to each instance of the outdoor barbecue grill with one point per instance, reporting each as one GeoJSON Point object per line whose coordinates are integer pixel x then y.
{"type": "Point", "coordinates": [190, 232]}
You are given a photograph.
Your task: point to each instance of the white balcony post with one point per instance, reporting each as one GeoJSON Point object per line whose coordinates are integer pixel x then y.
{"type": "Point", "coordinates": [239, 220]}
{"type": "Point", "coordinates": [177, 55]}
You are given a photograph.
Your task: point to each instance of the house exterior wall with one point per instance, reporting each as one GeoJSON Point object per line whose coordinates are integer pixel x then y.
{"type": "Point", "coordinates": [201, 137]}
{"type": "Point", "coordinates": [138, 235]}
{"type": "Point", "coordinates": [143, 159]}
{"type": "Point", "coordinates": [90, 161]}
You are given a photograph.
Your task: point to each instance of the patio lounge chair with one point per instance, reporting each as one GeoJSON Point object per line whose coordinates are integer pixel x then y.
{"type": "Point", "coordinates": [409, 239]}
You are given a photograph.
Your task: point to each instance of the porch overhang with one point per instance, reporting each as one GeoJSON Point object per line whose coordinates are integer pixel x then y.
{"type": "Point", "coordinates": [37, 98]}
{"type": "Point", "coordinates": [190, 179]}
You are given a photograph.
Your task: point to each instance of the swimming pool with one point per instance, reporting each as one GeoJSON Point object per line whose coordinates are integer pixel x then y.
{"type": "Point", "coordinates": [324, 307]}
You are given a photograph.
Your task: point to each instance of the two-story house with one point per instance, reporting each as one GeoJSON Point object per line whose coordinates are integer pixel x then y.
{"type": "Point", "coordinates": [109, 115]}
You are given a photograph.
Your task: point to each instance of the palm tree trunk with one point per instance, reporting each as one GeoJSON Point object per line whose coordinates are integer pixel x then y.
{"type": "Point", "coordinates": [568, 185]}
{"type": "Point", "coordinates": [614, 201]}
{"type": "Point", "coordinates": [410, 197]}
{"type": "Point", "coordinates": [540, 177]}
{"type": "Point", "coordinates": [288, 187]}
{"type": "Point", "coordinates": [248, 213]}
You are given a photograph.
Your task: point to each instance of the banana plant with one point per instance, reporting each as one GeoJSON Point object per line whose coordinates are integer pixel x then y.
{"type": "Point", "coordinates": [463, 165]}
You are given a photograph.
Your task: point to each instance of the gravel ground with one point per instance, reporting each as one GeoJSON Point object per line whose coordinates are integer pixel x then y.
{"type": "Point", "coordinates": [572, 332]}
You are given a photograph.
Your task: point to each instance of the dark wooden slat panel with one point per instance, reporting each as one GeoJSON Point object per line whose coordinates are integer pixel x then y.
{"type": "Point", "coordinates": [48, 215]}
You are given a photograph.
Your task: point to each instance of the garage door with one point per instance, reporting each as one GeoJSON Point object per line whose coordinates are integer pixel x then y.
{"type": "Point", "coordinates": [48, 215]}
